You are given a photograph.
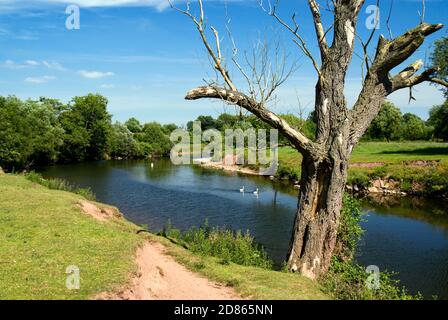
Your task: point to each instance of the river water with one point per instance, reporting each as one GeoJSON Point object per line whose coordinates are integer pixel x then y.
{"type": "Point", "coordinates": [408, 235]}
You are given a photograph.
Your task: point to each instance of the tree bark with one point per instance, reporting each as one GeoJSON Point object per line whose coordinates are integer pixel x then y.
{"type": "Point", "coordinates": [322, 188]}
{"type": "Point", "coordinates": [317, 220]}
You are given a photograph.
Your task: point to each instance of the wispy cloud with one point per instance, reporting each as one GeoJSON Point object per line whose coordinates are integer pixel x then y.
{"type": "Point", "coordinates": [32, 64]}
{"type": "Point", "coordinates": [39, 80]}
{"type": "Point", "coordinates": [108, 86]}
{"type": "Point", "coordinates": [157, 4]}
{"type": "Point", "coordinates": [53, 65]}
{"type": "Point", "coordinates": [94, 74]}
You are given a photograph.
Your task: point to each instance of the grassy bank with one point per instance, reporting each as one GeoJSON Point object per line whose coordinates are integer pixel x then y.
{"type": "Point", "coordinates": [44, 231]}
{"type": "Point", "coordinates": [420, 167]}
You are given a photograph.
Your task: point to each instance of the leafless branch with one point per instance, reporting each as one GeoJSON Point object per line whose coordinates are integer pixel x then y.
{"type": "Point", "coordinates": [294, 30]}
{"type": "Point", "coordinates": [265, 76]}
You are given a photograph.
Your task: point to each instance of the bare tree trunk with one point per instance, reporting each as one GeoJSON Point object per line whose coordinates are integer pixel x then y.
{"type": "Point", "coordinates": [317, 220]}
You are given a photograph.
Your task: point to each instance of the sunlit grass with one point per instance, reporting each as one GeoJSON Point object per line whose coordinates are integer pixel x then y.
{"type": "Point", "coordinates": [43, 231]}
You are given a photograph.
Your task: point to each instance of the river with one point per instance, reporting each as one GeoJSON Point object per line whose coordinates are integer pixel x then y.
{"type": "Point", "coordinates": [408, 235]}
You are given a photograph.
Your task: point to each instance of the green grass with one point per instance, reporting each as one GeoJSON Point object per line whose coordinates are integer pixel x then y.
{"type": "Point", "coordinates": [60, 184]}
{"type": "Point", "coordinates": [397, 152]}
{"type": "Point", "coordinates": [43, 231]}
{"type": "Point", "coordinates": [250, 282]}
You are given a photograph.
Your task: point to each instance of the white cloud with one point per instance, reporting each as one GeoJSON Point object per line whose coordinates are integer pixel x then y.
{"type": "Point", "coordinates": [32, 62]}
{"type": "Point", "coordinates": [107, 86]}
{"type": "Point", "coordinates": [158, 4]}
{"type": "Point", "coordinates": [39, 80]}
{"type": "Point", "coordinates": [53, 65]}
{"type": "Point", "coordinates": [94, 74]}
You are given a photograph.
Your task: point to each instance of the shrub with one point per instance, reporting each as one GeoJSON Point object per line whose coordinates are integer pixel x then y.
{"type": "Point", "coordinates": [345, 279]}
{"type": "Point", "coordinates": [350, 231]}
{"type": "Point", "coordinates": [60, 184]}
{"type": "Point", "coordinates": [229, 246]}
{"type": "Point", "coordinates": [359, 178]}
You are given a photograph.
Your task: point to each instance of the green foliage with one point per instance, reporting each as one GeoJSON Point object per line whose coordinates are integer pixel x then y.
{"type": "Point", "coordinates": [87, 126]}
{"type": "Point", "coordinates": [30, 134]}
{"type": "Point", "coordinates": [229, 246]}
{"type": "Point", "coordinates": [413, 128]}
{"type": "Point", "coordinates": [350, 231]}
{"type": "Point", "coordinates": [346, 280]}
{"type": "Point", "coordinates": [387, 124]}
{"type": "Point", "coordinates": [59, 184]}
{"type": "Point", "coordinates": [391, 125]}
{"type": "Point", "coordinates": [426, 180]}
{"type": "Point", "coordinates": [438, 118]}
{"type": "Point", "coordinates": [359, 178]}
{"type": "Point", "coordinates": [122, 143]}
{"type": "Point", "coordinates": [133, 125]}
{"type": "Point", "coordinates": [439, 59]}
{"type": "Point", "coordinates": [154, 140]}
{"type": "Point", "coordinates": [47, 131]}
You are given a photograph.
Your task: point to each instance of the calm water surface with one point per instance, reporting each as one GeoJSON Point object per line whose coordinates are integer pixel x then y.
{"type": "Point", "coordinates": [409, 236]}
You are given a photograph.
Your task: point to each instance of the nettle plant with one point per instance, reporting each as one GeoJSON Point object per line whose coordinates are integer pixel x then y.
{"type": "Point", "coordinates": [339, 126]}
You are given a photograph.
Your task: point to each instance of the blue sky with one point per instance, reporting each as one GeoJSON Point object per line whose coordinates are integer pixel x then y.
{"type": "Point", "coordinates": [144, 57]}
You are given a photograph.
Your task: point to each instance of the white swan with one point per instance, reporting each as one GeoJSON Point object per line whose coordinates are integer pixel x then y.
{"type": "Point", "coordinates": [256, 192]}
{"type": "Point", "coordinates": [242, 190]}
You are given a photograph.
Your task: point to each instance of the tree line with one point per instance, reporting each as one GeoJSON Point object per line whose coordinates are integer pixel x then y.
{"type": "Point", "coordinates": [389, 125]}
{"type": "Point", "coordinates": [47, 131]}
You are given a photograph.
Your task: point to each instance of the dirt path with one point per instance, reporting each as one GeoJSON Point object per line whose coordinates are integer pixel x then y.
{"type": "Point", "coordinates": [160, 277]}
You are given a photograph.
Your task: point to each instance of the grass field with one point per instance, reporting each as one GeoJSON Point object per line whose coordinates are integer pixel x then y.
{"type": "Point", "coordinates": [43, 231]}
{"type": "Point", "coordinates": [397, 152]}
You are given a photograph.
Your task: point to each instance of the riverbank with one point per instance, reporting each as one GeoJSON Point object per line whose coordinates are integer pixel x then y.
{"type": "Point", "coordinates": [44, 233]}
{"type": "Point", "coordinates": [396, 168]}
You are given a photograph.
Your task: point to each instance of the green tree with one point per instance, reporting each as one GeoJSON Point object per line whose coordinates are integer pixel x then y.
{"type": "Point", "coordinates": [414, 128]}
{"type": "Point", "coordinates": [387, 124]}
{"type": "Point", "coordinates": [438, 118]}
{"type": "Point", "coordinates": [30, 133]}
{"type": "Point", "coordinates": [439, 59]}
{"type": "Point", "coordinates": [207, 122]}
{"type": "Point", "coordinates": [87, 126]}
{"type": "Point", "coordinates": [122, 143]}
{"type": "Point", "coordinates": [154, 139]}
{"type": "Point", "coordinates": [168, 128]}
{"type": "Point", "coordinates": [133, 125]}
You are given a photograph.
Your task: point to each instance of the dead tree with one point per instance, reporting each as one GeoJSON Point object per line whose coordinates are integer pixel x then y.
{"type": "Point", "coordinates": [339, 128]}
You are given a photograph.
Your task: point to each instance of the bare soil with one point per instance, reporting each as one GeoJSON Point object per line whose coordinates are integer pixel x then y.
{"type": "Point", "coordinates": [159, 276]}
